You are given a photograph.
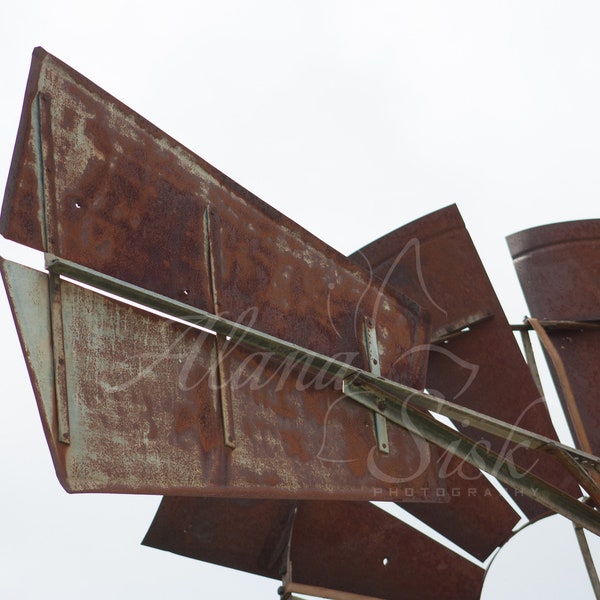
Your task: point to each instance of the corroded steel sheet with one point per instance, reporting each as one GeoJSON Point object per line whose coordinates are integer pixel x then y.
{"type": "Point", "coordinates": [144, 409]}
{"type": "Point", "coordinates": [349, 546]}
{"type": "Point", "coordinates": [93, 182]}
{"type": "Point", "coordinates": [475, 516]}
{"type": "Point", "coordinates": [434, 261]}
{"type": "Point", "coordinates": [559, 270]}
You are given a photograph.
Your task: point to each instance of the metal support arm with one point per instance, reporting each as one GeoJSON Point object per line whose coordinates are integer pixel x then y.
{"type": "Point", "coordinates": [396, 402]}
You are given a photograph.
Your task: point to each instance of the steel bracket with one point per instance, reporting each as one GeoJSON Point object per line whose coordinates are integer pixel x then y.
{"type": "Point", "coordinates": [459, 326]}
{"type": "Point", "coordinates": [372, 350]}
{"type": "Point", "coordinates": [211, 230]}
{"type": "Point", "coordinates": [58, 351]}
{"type": "Point", "coordinates": [402, 405]}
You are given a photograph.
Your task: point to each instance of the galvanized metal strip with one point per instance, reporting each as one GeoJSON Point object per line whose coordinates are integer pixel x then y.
{"type": "Point", "coordinates": [561, 325]}
{"type": "Point", "coordinates": [58, 352]}
{"type": "Point", "coordinates": [375, 367]}
{"type": "Point", "coordinates": [213, 248]}
{"type": "Point", "coordinates": [225, 390]}
{"type": "Point", "coordinates": [501, 429]}
{"type": "Point", "coordinates": [47, 169]}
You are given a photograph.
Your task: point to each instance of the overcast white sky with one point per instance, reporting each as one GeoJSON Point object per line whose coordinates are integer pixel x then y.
{"type": "Point", "coordinates": [353, 118]}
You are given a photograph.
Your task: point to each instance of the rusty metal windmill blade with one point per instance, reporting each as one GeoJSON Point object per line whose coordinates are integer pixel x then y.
{"type": "Point", "coordinates": [243, 534]}
{"type": "Point", "coordinates": [352, 547]}
{"type": "Point", "coordinates": [35, 334]}
{"type": "Point", "coordinates": [475, 516]}
{"type": "Point", "coordinates": [93, 182]}
{"type": "Point", "coordinates": [434, 261]}
{"type": "Point", "coordinates": [130, 402]}
{"type": "Point", "coordinates": [558, 267]}
{"type": "Point", "coordinates": [357, 546]}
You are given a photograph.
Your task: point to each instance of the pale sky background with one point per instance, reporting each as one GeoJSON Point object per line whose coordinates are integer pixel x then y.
{"type": "Point", "coordinates": [352, 118]}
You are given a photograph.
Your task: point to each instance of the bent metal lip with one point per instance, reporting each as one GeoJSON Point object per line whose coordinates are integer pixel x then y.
{"type": "Point", "coordinates": [261, 381]}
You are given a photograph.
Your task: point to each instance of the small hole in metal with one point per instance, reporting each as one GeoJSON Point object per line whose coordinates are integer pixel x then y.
{"type": "Point", "coordinates": [186, 292]}
{"type": "Point", "coordinates": [77, 204]}
{"type": "Point", "coordinates": [385, 561]}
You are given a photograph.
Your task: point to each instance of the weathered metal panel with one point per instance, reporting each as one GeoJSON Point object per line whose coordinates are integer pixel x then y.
{"type": "Point", "coordinates": [434, 261]}
{"type": "Point", "coordinates": [559, 270]}
{"type": "Point", "coordinates": [93, 182]}
{"type": "Point", "coordinates": [144, 409]}
{"type": "Point", "coordinates": [360, 547]}
{"type": "Point", "coordinates": [475, 516]}
{"type": "Point", "coordinates": [29, 300]}
{"type": "Point", "coordinates": [123, 198]}
{"type": "Point", "coordinates": [350, 546]}
{"type": "Point", "coordinates": [244, 534]}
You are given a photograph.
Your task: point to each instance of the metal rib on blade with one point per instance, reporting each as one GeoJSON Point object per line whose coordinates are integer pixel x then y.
{"type": "Point", "coordinates": [93, 182]}
{"type": "Point", "coordinates": [388, 399]}
{"type": "Point", "coordinates": [346, 546]}
{"type": "Point", "coordinates": [558, 267]}
{"type": "Point", "coordinates": [477, 363]}
{"type": "Point", "coordinates": [144, 416]}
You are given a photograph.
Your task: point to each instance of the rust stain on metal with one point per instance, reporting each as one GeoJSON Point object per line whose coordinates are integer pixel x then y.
{"type": "Point", "coordinates": [151, 405]}
{"type": "Point", "coordinates": [434, 261]}
{"type": "Point", "coordinates": [116, 194]}
{"type": "Point", "coordinates": [352, 547]}
{"type": "Point", "coordinates": [145, 413]}
{"type": "Point", "coordinates": [558, 267]}
{"type": "Point", "coordinates": [125, 192]}
{"type": "Point", "coordinates": [342, 545]}
{"type": "Point", "coordinates": [475, 516]}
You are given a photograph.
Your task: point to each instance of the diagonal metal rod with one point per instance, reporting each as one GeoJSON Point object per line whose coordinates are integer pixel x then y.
{"type": "Point", "coordinates": [478, 455]}
{"type": "Point", "coordinates": [531, 362]}
{"type": "Point", "coordinates": [398, 403]}
{"type": "Point", "coordinates": [589, 561]}
{"type": "Point", "coordinates": [557, 325]}
{"type": "Point", "coordinates": [561, 372]}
